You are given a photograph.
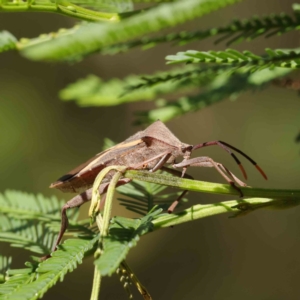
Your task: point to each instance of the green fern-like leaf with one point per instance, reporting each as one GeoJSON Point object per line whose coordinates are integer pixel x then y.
{"type": "Point", "coordinates": [235, 32]}
{"type": "Point", "coordinates": [15, 279]}
{"type": "Point", "coordinates": [249, 61]}
{"type": "Point", "coordinates": [7, 41]}
{"type": "Point", "coordinates": [5, 263]}
{"type": "Point", "coordinates": [29, 235]}
{"type": "Point", "coordinates": [88, 38]}
{"type": "Point", "coordinates": [92, 91]}
{"type": "Point", "coordinates": [22, 205]}
{"type": "Point", "coordinates": [34, 285]}
{"type": "Point", "coordinates": [223, 87]}
{"type": "Point", "coordinates": [123, 235]}
{"type": "Point", "coordinates": [186, 79]}
{"type": "Point", "coordinates": [32, 222]}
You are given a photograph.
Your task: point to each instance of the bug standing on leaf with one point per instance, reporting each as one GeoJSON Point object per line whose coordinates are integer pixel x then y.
{"type": "Point", "coordinates": [150, 149]}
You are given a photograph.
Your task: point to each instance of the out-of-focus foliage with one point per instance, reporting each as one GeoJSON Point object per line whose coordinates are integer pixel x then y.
{"type": "Point", "coordinates": [235, 32]}
{"type": "Point", "coordinates": [93, 91]}
{"type": "Point", "coordinates": [246, 60]}
{"type": "Point", "coordinates": [221, 88]}
{"type": "Point", "coordinates": [29, 221]}
{"type": "Point", "coordinates": [173, 88]}
{"type": "Point", "coordinates": [87, 38]}
{"type": "Point", "coordinates": [33, 283]}
{"type": "Point", "coordinates": [5, 263]}
{"type": "Point", "coordinates": [7, 41]}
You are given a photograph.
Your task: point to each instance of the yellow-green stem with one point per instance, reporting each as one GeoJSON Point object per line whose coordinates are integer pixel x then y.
{"type": "Point", "coordinates": [96, 284]}
{"type": "Point", "coordinates": [209, 187]}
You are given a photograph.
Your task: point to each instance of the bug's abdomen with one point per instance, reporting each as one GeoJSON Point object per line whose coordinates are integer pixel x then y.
{"type": "Point", "coordinates": [77, 183]}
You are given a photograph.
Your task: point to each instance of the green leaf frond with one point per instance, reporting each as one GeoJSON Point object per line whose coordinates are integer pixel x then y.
{"type": "Point", "coordinates": [89, 38]}
{"type": "Point", "coordinates": [222, 87]}
{"type": "Point", "coordinates": [124, 234]}
{"type": "Point", "coordinates": [235, 32]}
{"type": "Point", "coordinates": [14, 279]}
{"type": "Point", "coordinates": [226, 66]}
{"type": "Point", "coordinates": [238, 72]}
{"type": "Point", "coordinates": [5, 263]}
{"type": "Point", "coordinates": [32, 222]}
{"type": "Point", "coordinates": [7, 41]}
{"type": "Point", "coordinates": [35, 237]}
{"type": "Point", "coordinates": [92, 91]}
{"type": "Point", "coordinates": [187, 77]}
{"type": "Point", "coordinates": [33, 285]}
{"type": "Point", "coordinates": [22, 205]}
{"type": "Point", "coordinates": [249, 61]}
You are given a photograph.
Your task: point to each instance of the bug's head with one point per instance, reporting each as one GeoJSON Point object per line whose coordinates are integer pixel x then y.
{"type": "Point", "coordinates": [186, 150]}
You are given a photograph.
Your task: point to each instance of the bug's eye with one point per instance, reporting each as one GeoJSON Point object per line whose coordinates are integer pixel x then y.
{"type": "Point", "coordinates": [188, 148]}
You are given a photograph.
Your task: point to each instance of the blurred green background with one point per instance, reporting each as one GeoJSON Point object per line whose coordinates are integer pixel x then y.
{"type": "Point", "coordinates": [252, 257]}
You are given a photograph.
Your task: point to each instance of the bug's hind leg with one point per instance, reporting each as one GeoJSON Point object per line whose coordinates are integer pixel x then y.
{"type": "Point", "coordinates": [77, 201]}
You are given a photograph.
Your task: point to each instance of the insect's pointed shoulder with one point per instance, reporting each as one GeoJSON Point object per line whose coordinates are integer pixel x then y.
{"type": "Point", "coordinates": [156, 129]}
{"type": "Point", "coordinates": [157, 125]}
{"type": "Point", "coordinates": [159, 131]}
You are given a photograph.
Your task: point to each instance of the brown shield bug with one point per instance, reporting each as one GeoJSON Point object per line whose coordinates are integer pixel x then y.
{"type": "Point", "coordinates": [149, 149]}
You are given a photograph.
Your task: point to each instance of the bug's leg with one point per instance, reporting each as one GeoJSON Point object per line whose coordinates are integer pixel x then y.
{"type": "Point", "coordinates": [231, 175]}
{"type": "Point", "coordinates": [163, 159]}
{"type": "Point", "coordinates": [74, 202]}
{"type": "Point", "coordinates": [176, 172]}
{"type": "Point", "coordinates": [205, 161]}
{"type": "Point", "coordinates": [179, 174]}
{"type": "Point", "coordinates": [77, 201]}
{"type": "Point", "coordinates": [161, 162]}
{"type": "Point", "coordinates": [227, 147]}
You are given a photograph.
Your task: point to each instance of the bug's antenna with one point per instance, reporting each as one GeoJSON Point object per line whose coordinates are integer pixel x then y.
{"type": "Point", "coordinates": [227, 147]}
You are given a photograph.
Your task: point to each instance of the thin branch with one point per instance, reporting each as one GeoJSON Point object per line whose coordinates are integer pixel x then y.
{"type": "Point", "coordinates": [212, 188]}
{"type": "Point", "coordinates": [239, 207]}
{"type": "Point", "coordinates": [60, 7]}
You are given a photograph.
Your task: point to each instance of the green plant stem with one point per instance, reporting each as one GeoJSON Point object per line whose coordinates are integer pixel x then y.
{"type": "Point", "coordinates": [208, 187]}
{"type": "Point", "coordinates": [239, 207]}
{"type": "Point", "coordinates": [271, 198]}
{"type": "Point", "coordinates": [65, 8]}
{"type": "Point", "coordinates": [96, 284]}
